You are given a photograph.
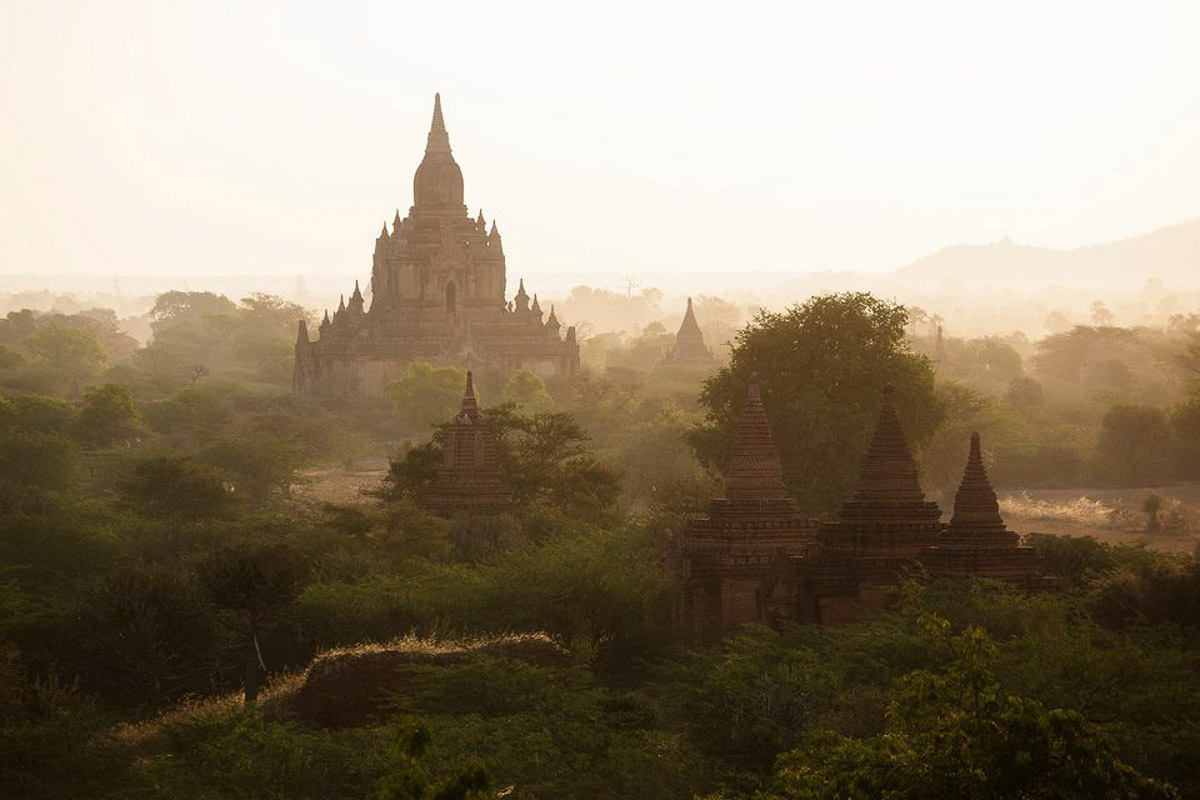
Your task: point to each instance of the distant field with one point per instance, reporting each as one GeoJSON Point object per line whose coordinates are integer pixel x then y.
{"type": "Point", "coordinates": [1111, 515]}
{"type": "Point", "coordinates": [335, 485]}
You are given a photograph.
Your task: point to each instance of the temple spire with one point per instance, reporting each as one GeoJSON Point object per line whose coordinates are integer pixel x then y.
{"type": "Point", "coordinates": [470, 404]}
{"type": "Point", "coordinates": [754, 471]}
{"type": "Point", "coordinates": [975, 504]}
{"type": "Point", "coordinates": [889, 472]}
{"type": "Point", "coordinates": [439, 139]}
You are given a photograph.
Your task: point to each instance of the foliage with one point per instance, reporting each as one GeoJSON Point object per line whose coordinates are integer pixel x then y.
{"type": "Point", "coordinates": [108, 414]}
{"type": "Point", "coordinates": [957, 733]}
{"type": "Point", "coordinates": [426, 395]}
{"type": "Point", "coordinates": [823, 366]}
{"type": "Point", "coordinates": [179, 488]}
{"type": "Point", "coordinates": [1134, 438]}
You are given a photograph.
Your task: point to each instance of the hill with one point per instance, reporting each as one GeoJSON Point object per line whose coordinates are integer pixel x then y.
{"type": "Point", "coordinates": [1171, 254]}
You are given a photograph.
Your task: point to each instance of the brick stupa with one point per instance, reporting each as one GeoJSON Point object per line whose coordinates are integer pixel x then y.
{"type": "Point", "coordinates": [730, 557]}
{"type": "Point", "coordinates": [879, 533]}
{"type": "Point", "coordinates": [977, 543]}
{"type": "Point", "coordinates": [469, 482]}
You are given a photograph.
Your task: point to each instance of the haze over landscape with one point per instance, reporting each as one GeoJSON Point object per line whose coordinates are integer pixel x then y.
{"type": "Point", "coordinates": [631, 401]}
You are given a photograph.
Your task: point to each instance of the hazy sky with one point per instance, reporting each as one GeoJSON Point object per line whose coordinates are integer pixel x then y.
{"type": "Point", "coordinates": [647, 139]}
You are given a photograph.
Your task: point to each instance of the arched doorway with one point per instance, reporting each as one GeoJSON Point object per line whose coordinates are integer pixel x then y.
{"type": "Point", "coordinates": [451, 297]}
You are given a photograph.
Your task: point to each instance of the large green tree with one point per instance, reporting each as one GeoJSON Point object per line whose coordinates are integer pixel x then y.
{"type": "Point", "coordinates": [823, 366]}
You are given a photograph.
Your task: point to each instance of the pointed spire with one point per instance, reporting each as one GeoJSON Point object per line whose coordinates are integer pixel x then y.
{"type": "Point", "coordinates": [522, 299]}
{"type": "Point", "coordinates": [341, 303]}
{"type": "Point", "coordinates": [357, 293]}
{"type": "Point", "coordinates": [939, 346]}
{"type": "Point", "coordinates": [439, 139]}
{"type": "Point", "coordinates": [537, 309]}
{"type": "Point", "coordinates": [396, 223]}
{"type": "Point", "coordinates": [470, 405]}
{"type": "Point", "coordinates": [889, 472]}
{"type": "Point", "coordinates": [552, 322]}
{"type": "Point", "coordinates": [302, 333]}
{"type": "Point", "coordinates": [480, 223]}
{"type": "Point", "coordinates": [325, 322]}
{"type": "Point", "coordinates": [975, 506]}
{"type": "Point", "coordinates": [754, 471]}
{"type": "Point", "coordinates": [383, 234]}
{"type": "Point", "coordinates": [494, 231]}
{"type": "Point", "coordinates": [689, 326]}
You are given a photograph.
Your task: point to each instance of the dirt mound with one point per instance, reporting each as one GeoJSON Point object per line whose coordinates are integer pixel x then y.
{"type": "Point", "coordinates": [347, 687]}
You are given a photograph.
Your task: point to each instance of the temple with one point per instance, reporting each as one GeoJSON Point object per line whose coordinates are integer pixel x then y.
{"type": "Point", "coordinates": [728, 558]}
{"type": "Point", "coordinates": [438, 294]}
{"type": "Point", "coordinates": [689, 345]}
{"type": "Point", "coordinates": [977, 543]}
{"type": "Point", "coordinates": [754, 559]}
{"type": "Point", "coordinates": [469, 482]}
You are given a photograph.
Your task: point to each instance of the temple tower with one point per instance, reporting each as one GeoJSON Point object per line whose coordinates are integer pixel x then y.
{"type": "Point", "coordinates": [469, 481]}
{"type": "Point", "coordinates": [689, 345]}
{"type": "Point", "coordinates": [438, 294]}
{"type": "Point", "coordinates": [879, 533]}
{"type": "Point", "coordinates": [730, 557]}
{"type": "Point", "coordinates": [976, 543]}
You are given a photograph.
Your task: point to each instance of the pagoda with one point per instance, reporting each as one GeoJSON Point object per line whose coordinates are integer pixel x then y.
{"type": "Point", "coordinates": [730, 558]}
{"type": "Point", "coordinates": [438, 283]}
{"type": "Point", "coordinates": [976, 543]}
{"type": "Point", "coordinates": [469, 481]}
{"type": "Point", "coordinates": [689, 345]}
{"type": "Point", "coordinates": [879, 533]}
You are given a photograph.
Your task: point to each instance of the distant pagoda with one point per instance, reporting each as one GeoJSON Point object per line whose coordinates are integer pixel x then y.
{"type": "Point", "coordinates": [469, 481]}
{"type": "Point", "coordinates": [977, 543]}
{"type": "Point", "coordinates": [729, 557]}
{"type": "Point", "coordinates": [689, 345]}
{"type": "Point", "coordinates": [438, 294]}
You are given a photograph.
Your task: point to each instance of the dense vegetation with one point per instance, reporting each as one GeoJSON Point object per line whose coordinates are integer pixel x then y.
{"type": "Point", "coordinates": [158, 553]}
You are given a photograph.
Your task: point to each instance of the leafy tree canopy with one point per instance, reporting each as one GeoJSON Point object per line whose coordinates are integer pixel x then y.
{"type": "Point", "coordinates": [823, 366]}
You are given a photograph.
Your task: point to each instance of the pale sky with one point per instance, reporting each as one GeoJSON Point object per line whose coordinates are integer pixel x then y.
{"type": "Point", "coordinates": [611, 139]}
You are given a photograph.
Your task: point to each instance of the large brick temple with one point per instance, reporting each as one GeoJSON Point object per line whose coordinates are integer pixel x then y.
{"type": "Point", "coordinates": [753, 559]}
{"type": "Point", "coordinates": [438, 294]}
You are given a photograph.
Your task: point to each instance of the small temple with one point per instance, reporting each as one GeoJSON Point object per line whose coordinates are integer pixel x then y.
{"type": "Point", "coordinates": [977, 543]}
{"type": "Point", "coordinates": [753, 558]}
{"type": "Point", "coordinates": [438, 283]}
{"type": "Point", "coordinates": [469, 481]}
{"type": "Point", "coordinates": [728, 558]}
{"type": "Point", "coordinates": [689, 347]}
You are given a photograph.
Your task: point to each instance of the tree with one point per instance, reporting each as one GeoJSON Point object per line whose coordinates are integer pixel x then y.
{"type": "Point", "coordinates": [823, 366]}
{"type": "Point", "coordinates": [177, 487]}
{"type": "Point", "coordinates": [1024, 394]}
{"type": "Point", "coordinates": [956, 733]}
{"type": "Point", "coordinates": [545, 458]}
{"type": "Point", "coordinates": [427, 395]}
{"type": "Point", "coordinates": [1101, 316]}
{"type": "Point", "coordinates": [75, 353]}
{"type": "Point", "coordinates": [257, 463]}
{"type": "Point", "coordinates": [255, 584]}
{"type": "Point", "coordinates": [108, 414]}
{"type": "Point", "coordinates": [145, 638]}
{"type": "Point", "coordinates": [1152, 505]}
{"type": "Point", "coordinates": [527, 391]}
{"type": "Point", "coordinates": [1133, 438]}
